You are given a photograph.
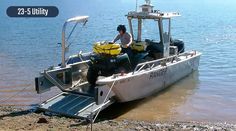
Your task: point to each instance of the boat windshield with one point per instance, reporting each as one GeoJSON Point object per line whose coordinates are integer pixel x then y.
{"type": "Point", "coordinates": [149, 30]}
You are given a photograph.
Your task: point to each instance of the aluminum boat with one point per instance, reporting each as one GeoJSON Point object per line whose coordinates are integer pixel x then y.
{"type": "Point", "coordinates": [148, 72]}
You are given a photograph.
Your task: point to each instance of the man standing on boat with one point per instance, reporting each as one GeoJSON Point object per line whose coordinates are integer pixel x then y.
{"type": "Point", "coordinates": [125, 39]}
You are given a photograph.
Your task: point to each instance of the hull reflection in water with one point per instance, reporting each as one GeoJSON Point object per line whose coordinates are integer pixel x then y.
{"type": "Point", "coordinates": [161, 106]}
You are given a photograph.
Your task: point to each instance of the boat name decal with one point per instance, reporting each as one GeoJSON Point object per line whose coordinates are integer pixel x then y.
{"type": "Point", "coordinates": [158, 73]}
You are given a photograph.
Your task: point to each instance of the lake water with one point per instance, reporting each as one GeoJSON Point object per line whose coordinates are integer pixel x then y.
{"type": "Point", "coordinates": [29, 45]}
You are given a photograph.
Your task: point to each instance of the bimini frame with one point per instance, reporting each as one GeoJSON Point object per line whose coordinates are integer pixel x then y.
{"type": "Point", "coordinates": [157, 16]}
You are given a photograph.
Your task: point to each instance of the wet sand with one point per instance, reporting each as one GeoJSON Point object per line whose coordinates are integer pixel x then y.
{"type": "Point", "coordinates": [178, 102]}
{"type": "Point", "coordinates": [20, 119]}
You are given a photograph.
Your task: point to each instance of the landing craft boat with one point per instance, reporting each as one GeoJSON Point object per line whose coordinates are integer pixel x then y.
{"type": "Point", "coordinates": [92, 81]}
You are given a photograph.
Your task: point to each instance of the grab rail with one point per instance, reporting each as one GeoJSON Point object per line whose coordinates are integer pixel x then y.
{"type": "Point", "coordinates": [162, 61]}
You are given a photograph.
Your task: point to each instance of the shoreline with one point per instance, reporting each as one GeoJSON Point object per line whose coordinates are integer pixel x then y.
{"type": "Point", "coordinates": [12, 118]}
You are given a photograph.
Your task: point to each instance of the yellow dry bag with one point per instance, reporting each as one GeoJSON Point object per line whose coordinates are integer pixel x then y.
{"type": "Point", "coordinates": [106, 48]}
{"type": "Point", "coordinates": [139, 46]}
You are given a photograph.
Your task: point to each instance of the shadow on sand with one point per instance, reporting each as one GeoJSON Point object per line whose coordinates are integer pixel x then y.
{"type": "Point", "coordinates": [16, 113]}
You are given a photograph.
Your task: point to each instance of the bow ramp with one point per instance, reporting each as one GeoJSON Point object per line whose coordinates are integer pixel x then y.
{"type": "Point", "coordinates": [74, 105]}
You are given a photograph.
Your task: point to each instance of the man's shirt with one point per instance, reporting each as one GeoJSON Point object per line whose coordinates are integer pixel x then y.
{"type": "Point", "coordinates": [125, 39]}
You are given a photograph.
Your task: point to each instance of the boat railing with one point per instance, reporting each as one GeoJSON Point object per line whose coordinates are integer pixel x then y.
{"type": "Point", "coordinates": [160, 62]}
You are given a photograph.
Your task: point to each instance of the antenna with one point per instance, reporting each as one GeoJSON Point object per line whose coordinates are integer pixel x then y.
{"type": "Point", "coordinates": [148, 2]}
{"type": "Point", "coordinates": [136, 9]}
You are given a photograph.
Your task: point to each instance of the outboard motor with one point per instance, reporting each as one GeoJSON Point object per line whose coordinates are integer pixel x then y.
{"type": "Point", "coordinates": [179, 44]}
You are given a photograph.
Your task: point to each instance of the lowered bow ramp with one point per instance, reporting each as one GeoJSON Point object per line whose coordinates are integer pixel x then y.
{"type": "Point", "coordinates": [73, 105]}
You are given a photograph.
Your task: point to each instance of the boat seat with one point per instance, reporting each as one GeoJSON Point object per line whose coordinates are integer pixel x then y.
{"type": "Point", "coordinates": [155, 49]}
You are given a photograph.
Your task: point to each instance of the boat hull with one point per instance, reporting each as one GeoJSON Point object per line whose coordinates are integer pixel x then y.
{"type": "Point", "coordinates": [150, 82]}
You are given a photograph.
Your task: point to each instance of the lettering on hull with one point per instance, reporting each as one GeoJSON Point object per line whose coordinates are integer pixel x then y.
{"type": "Point", "coordinates": [158, 73]}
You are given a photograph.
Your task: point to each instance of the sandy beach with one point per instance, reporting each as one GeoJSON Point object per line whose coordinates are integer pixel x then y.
{"type": "Point", "coordinates": [20, 119]}
{"type": "Point", "coordinates": [169, 92]}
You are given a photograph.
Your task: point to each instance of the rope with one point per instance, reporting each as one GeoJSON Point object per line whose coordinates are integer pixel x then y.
{"type": "Point", "coordinates": [72, 31]}
{"type": "Point", "coordinates": [93, 120]}
{"type": "Point", "coordinates": [75, 36]}
{"type": "Point", "coordinates": [4, 100]}
{"type": "Point", "coordinates": [104, 101]}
